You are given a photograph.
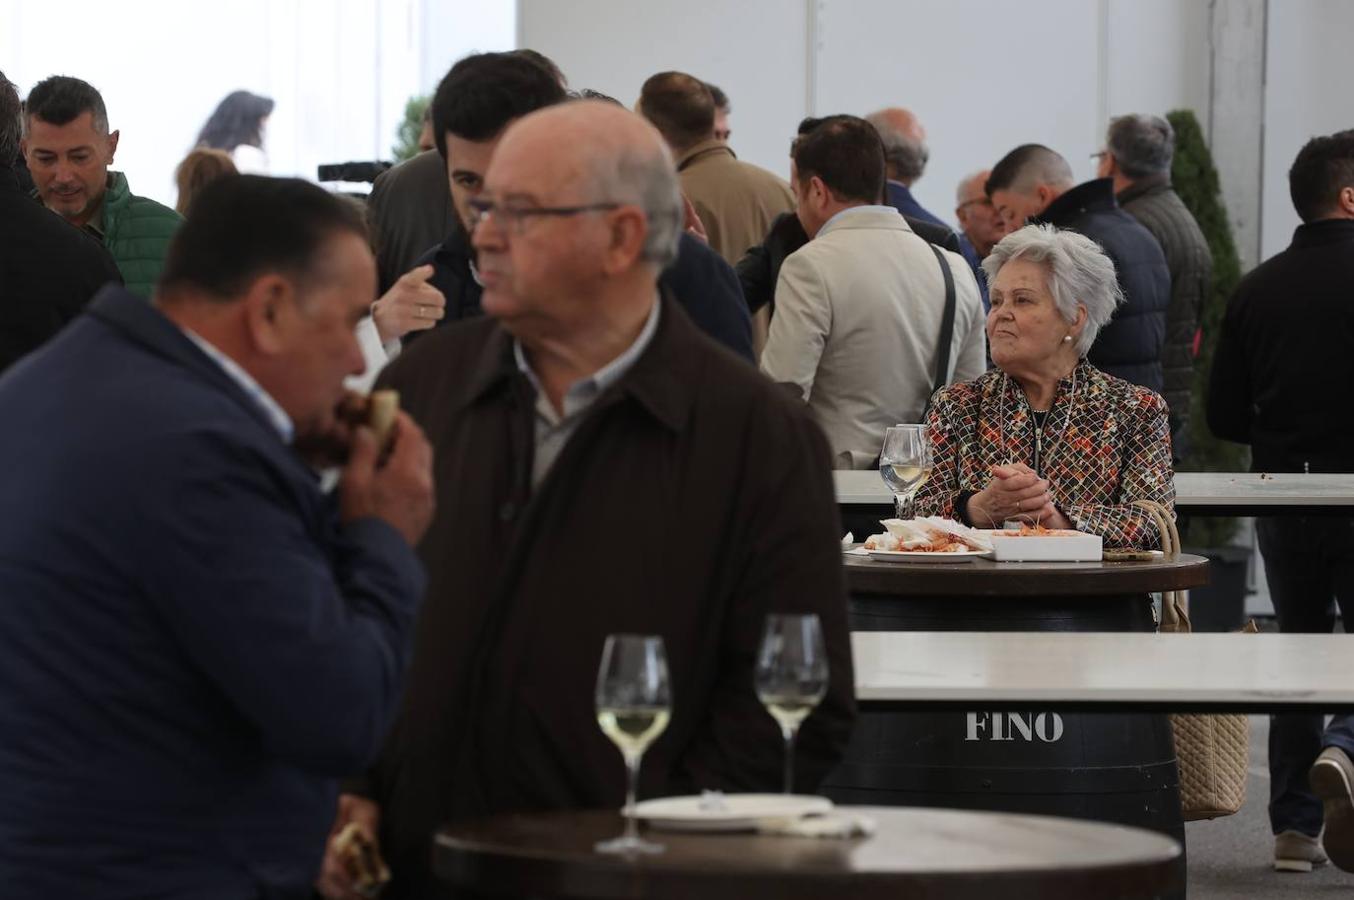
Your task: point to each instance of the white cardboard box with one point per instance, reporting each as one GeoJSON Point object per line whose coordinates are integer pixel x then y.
{"type": "Point", "coordinates": [1080, 547]}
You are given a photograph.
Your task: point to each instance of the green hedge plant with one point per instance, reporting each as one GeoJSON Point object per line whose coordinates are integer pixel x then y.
{"type": "Point", "coordinates": [406, 136]}
{"type": "Point", "coordinates": [1196, 181]}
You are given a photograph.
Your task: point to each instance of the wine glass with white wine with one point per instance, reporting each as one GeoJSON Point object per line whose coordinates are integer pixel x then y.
{"type": "Point", "coordinates": [633, 705]}
{"type": "Point", "coordinates": [905, 464]}
{"type": "Point", "coordinates": [791, 676]}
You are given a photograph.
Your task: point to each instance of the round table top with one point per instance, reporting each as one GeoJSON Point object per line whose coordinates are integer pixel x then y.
{"type": "Point", "coordinates": [983, 577]}
{"type": "Point", "coordinates": [932, 852]}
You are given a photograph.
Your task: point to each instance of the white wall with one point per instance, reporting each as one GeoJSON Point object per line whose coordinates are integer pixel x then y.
{"type": "Point", "coordinates": [339, 71]}
{"type": "Point", "coordinates": [982, 75]}
{"type": "Point", "coordinates": [754, 49]}
{"type": "Point", "coordinates": [1307, 93]}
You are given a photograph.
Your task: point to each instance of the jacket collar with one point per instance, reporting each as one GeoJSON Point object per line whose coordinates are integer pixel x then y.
{"type": "Point", "coordinates": [1090, 196]}
{"type": "Point", "coordinates": [662, 380]}
{"type": "Point", "coordinates": [1323, 232]}
{"type": "Point", "coordinates": [704, 149]}
{"type": "Point", "coordinates": [140, 322]}
{"type": "Point", "coordinates": [1143, 187]}
{"type": "Point", "coordinates": [118, 193]}
{"type": "Point", "coordinates": [867, 217]}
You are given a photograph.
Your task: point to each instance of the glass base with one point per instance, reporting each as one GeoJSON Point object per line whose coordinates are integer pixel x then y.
{"type": "Point", "coordinates": [625, 844]}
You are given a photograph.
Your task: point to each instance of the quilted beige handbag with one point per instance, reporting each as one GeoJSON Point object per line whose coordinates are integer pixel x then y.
{"type": "Point", "coordinates": [1213, 749]}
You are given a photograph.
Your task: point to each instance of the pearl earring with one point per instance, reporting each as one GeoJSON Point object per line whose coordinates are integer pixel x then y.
{"type": "Point", "coordinates": [1067, 339]}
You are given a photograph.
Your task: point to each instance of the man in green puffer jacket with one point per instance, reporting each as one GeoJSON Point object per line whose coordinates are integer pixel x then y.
{"type": "Point", "coordinates": [69, 148]}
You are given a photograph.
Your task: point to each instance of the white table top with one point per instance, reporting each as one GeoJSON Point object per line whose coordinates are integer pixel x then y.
{"type": "Point", "coordinates": [1242, 490]}
{"type": "Point", "coordinates": [1183, 672]}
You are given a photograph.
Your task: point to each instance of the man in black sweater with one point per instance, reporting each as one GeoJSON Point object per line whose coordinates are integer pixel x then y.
{"type": "Point", "coordinates": [1280, 382]}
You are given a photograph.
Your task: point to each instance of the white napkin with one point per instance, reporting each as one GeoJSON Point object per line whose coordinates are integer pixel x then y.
{"type": "Point", "coordinates": [833, 825]}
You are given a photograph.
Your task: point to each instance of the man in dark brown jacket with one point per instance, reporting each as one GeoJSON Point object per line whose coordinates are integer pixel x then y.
{"type": "Point", "coordinates": [607, 468]}
{"type": "Point", "coordinates": [1137, 155]}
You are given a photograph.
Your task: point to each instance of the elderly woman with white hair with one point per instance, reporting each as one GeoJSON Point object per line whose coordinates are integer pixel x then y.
{"type": "Point", "coordinates": [1045, 437]}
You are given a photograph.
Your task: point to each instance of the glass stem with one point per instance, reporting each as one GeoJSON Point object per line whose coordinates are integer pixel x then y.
{"type": "Point", "coordinates": [790, 735]}
{"type": "Point", "coordinates": [631, 788]}
{"type": "Point", "coordinates": [899, 505]}
{"type": "Point", "coordinates": [909, 506]}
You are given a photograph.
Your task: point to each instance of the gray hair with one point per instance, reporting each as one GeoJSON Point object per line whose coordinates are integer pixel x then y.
{"type": "Point", "coordinates": [1142, 145]}
{"type": "Point", "coordinates": [905, 157]}
{"type": "Point", "coordinates": [11, 123]}
{"type": "Point", "coordinates": [1079, 274]}
{"type": "Point", "coordinates": [647, 177]}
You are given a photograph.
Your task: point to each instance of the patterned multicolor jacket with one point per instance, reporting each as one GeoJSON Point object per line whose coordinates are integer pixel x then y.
{"type": "Point", "coordinates": [1105, 443]}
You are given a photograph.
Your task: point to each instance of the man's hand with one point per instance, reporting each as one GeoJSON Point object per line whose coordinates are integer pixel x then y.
{"type": "Point", "coordinates": [411, 304]}
{"type": "Point", "coordinates": [335, 882]}
{"type": "Point", "coordinates": [398, 490]}
{"type": "Point", "coordinates": [692, 221]}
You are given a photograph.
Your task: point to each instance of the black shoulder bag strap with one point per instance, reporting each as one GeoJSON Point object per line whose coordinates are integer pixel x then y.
{"type": "Point", "coordinates": [946, 328]}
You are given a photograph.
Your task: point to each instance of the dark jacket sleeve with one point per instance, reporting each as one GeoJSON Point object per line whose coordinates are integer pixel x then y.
{"type": "Point", "coordinates": [1230, 399]}
{"type": "Point", "coordinates": [307, 635]}
{"type": "Point", "coordinates": [706, 287]}
{"type": "Point", "coordinates": [792, 563]}
{"type": "Point", "coordinates": [759, 268]}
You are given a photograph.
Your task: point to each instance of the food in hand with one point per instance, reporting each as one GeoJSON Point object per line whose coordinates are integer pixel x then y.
{"type": "Point", "coordinates": [383, 407]}
{"type": "Point", "coordinates": [362, 859]}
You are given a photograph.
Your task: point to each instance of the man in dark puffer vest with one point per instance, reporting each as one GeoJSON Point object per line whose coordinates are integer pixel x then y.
{"type": "Point", "coordinates": [1033, 183]}
{"type": "Point", "coordinates": [69, 148]}
{"type": "Point", "coordinates": [1137, 156]}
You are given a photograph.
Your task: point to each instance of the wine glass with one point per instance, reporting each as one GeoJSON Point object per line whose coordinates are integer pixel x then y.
{"type": "Point", "coordinates": [791, 676]}
{"type": "Point", "coordinates": [905, 464]}
{"type": "Point", "coordinates": [633, 705]}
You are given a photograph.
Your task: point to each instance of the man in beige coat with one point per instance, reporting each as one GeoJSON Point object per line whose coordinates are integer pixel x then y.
{"type": "Point", "coordinates": [859, 308]}
{"type": "Point", "coordinates": [736, 201]}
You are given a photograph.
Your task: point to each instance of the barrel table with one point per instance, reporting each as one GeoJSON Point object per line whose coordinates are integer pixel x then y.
{"type": "Point", "coordinates": [1110, 767]}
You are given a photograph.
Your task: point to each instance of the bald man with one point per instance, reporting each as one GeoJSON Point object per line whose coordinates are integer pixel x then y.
{"type": "Point", "coordinates": [1033, 183]}
{"type": "Point", "coordinates": [615, 471]}
{"type": "Point", "coordinates": [905, 156]}
{"type": "Point", "coordinates": [978, 218]}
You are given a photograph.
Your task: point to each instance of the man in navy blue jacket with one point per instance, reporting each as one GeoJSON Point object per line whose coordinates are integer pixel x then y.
{"type": "Point", "coordinates": [1035, 184]}
{"type": "Point", "coordinates": [198, 642]}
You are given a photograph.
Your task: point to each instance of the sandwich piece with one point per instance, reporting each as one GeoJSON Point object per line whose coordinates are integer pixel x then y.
{"type": "Point", "coordinates": [362, 859]}
{"type": "Point", "coordinates": [383, 408]}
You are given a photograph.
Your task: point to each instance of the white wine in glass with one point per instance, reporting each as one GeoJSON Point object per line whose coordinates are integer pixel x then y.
{"type": "Point", "coordinates": [792, 676]}
{"type": "Point", "coordinates": [633, 705]}
{"type": "Point", "coordinates": [905, 464]}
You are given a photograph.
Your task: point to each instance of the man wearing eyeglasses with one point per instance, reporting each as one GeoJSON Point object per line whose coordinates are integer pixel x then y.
{"type": "Point", "coordinates": [977, 216]}
{"type": "Point", "coordinates": [980, 225]}
{"type": "Point", "coordinates": [608, 469]}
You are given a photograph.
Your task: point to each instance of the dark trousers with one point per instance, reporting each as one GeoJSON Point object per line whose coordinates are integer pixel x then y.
{"type": "Point", "coordinates": [1309, 564]}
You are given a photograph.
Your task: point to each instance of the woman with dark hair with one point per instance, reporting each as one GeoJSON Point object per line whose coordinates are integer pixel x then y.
{"type": "Point", "coordinates": [237, 128]}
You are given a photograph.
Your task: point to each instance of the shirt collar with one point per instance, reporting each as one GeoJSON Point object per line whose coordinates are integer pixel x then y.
{"type": "Point", "coordinates": [275, 414]}
{"type": "Point", "coordinates": [871, 207]}
{"type": "Point", "coordinates": [592, 385]}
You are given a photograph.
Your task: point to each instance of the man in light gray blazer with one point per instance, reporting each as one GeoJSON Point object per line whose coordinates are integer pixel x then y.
{"type": "Point", "coordinates": [859, 308]}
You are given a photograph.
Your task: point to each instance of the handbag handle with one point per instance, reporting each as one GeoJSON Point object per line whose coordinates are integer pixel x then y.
{"type": "Point", "coordinates": [1173, 615]}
